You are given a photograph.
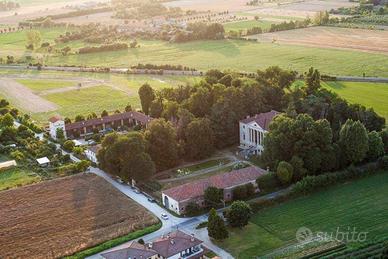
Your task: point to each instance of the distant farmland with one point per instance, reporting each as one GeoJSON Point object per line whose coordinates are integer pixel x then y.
{"type": "Point", "coordinates": [60, 217]}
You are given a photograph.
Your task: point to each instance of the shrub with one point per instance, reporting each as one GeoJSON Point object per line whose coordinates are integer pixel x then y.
{"type": "Point", "coordinates": [192, 209]}
{"type": "Point", "coordinates": [68, 145]}
{"type": "Point", "coordinates": [284, 172]}
{"type": "Point", "coordinates": [268, 182]}
{"type": "Point", "coordinates": [383, 162]}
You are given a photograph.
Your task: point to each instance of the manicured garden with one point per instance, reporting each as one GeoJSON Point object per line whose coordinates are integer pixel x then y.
{"type": "Point", "coordinates": [360, 204]}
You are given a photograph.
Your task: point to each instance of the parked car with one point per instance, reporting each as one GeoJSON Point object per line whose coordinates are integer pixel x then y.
{"type": "Point", "coordinates": [119, 180]}
{"type": "Point", "coordinates": [150, 199]}
{"type": "Point", "coordinates": [164, 216]}
{"type": "Point", "coordinates": [136, 190]}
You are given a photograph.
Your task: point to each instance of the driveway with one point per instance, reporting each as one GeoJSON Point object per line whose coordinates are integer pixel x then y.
{"type": "Point", "coordinates": [187, 225]}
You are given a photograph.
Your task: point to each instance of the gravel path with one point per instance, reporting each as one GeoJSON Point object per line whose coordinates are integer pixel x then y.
{"type": "Point", "coordinates": [24, 97]}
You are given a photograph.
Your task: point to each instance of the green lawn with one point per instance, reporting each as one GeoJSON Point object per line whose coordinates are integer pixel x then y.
{"type": "Point", "coordinates": [373, 95]}
{"type": "Point", "coordinates": [238, 55]}
{"type": "Point", "coordinates": [42, 85]}
{"type": "Point", "coordinates": [361, 204]}
{"type": "Point", "coordinates": [85, 101]}
{"type": "Point", "coordinates": [243, 25]}
{"type": "Point", "coordinates": [16, 177]}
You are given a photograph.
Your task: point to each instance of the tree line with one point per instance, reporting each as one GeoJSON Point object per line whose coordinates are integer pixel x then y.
{"type": "Point", "coordinates": [192, 121]}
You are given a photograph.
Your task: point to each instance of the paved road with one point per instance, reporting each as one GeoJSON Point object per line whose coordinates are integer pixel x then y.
{"type": "Point", "coordinates": [187, 225]}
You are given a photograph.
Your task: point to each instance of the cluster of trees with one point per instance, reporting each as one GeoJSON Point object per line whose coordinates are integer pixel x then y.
{"type": "Point", "coordinates": [8, 5]}
{"type": "Point", "coordinates": [200, 31]}
{"type": "Point", "coordinates": [321, 132]}
{"type": "Point", "coordinates": [291, 25]}
{"type": "Point", "coordinates": [102, 48]}
{"type": "Point", "coordinates": [237, 216]}
{"type": "Point", "coordinates": [21, 144]}
{"type": "Point", "coordinates": [163, 67]}
{"type": "Point", "coordinates": [33, 39]}
{"type": "Point", "coordinates": [146, 10]}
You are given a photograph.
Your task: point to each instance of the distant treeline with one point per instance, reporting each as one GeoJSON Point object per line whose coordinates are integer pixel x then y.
{"type": "Point", "coordinates": [163, 67]}
{"type": "Point", "coordinates": [102, 48]}
{"type": "Point", "coordinates": [284, 26]}
{"type": "Point", "coordinates": [200, 31]}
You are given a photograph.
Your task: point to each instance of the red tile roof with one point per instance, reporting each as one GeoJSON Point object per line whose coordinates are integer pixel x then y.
{"type": "Point", "coordinates": [134, 250]}
{"type": "Point", "coordinates": [174, 243]}
{"type": "Point", "coordinates": [140, 117]}
{"type": "Point", "coordinates": [54, 119]}
{"type": "Point", "coordinates": [222, 181]}
{"type": "Point", "coordinates": [262, 119]}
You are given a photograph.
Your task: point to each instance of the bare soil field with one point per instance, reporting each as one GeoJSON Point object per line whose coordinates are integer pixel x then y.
{"type": "Point", "coordinates": [24, 97]}
{"type": "Point", "coordinates": [213, 5]}
{"type": "Point", "coordinates": [331, 37]}
{"type": "Point", "coordinates": [60, 217]}
{"type": "Point", "coordinates": [299, 8]}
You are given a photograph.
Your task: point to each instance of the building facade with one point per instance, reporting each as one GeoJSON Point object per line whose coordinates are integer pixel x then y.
{"type": "Point", "coordinates": [253, 130]}
{"type": "Point", "coordinates": [91, 153]}
{"type": "Point", "coordinates": [103, 124]}
{"type": "Point", "coordinates": [176, 199]}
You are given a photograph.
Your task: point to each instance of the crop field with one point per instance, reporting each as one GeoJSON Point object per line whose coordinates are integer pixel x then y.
{"type": "Point", "coordinates": [16, 177]}
{"type": "Point", "coordinates": [244, 25]}
{"type": "Point", "coordinates": [60, 217]}
{"type": "Point", "coordinates": [222, 54]}
{"type": "Point", "coordinates": [331, 37]}
{"type": "Point", "coordinates": [238, 55]}
{"type": "Point", "coordinates": [360, 204]}
{"type": "Point", "coordinates": [374, 95]}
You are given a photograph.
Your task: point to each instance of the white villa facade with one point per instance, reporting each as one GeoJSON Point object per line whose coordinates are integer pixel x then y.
{"type": "Point", "coordinates": [253, 130]}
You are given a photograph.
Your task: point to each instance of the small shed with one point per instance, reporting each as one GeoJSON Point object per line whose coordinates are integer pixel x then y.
{"type": "Point", "coordinates": [43, 161]}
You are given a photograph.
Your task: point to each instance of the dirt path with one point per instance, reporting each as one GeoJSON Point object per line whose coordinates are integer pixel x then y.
{"type": "Point", "coordinates": [24, 97]}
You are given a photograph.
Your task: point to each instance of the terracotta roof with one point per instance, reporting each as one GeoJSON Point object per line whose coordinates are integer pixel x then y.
{"type": "Point", "coordinates": [134, 250]}
{"type": "Point", "coordinates": [262, 119]}
{"type": "Point", "coordinates": [222, 181]}
{"type": "Point", "coordinates": [174, 243]}
{"type": "Point", "coordinates": [54, 119]}
{"type": "Point", "coordinates": [140, 117]}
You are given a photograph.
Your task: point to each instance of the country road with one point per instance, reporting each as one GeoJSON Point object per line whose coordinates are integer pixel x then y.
{"type": "Point", "coordinates": [187, 225]}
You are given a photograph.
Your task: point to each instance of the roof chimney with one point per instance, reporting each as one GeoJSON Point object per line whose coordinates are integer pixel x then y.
{"type": "Point", "coordinates": [150, 245]}
{"type": "Point", "coordinates": [192, 238]}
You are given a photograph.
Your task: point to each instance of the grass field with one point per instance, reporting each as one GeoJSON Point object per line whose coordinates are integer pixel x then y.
{"type": "Point", "coordinates": [238, 55]}
{"type": "Point", "coordinates": [60, 217]}
{"type": "Point", "coordinates": [41, 85]}
{"type": "Point", "coordinates": [361, 204]}
{"type": "Point", "coordinates": [16, 177]}
{"type": "Point", "coordinates": [243, 25]}
{"type": "Point", "coordinates": [85, 101]}
{"type": "Point", "coordinates": [373, 95]}
{"type": "Point", "coordinates": [203, 55]}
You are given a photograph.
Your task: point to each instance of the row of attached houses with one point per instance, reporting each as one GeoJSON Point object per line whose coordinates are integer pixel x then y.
{"type": "Point", "coordinates": [87, 127]}
{"type": "Point", "coordinates": [174, 245]}
{"type": "Point", "coordinates": [176, 199]}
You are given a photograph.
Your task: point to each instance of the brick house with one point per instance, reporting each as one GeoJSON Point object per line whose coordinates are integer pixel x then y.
{"type": "Point", "coordinates": [177, 198]}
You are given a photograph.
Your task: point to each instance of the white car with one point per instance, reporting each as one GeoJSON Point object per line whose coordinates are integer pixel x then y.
{"type": "Point", "coordinates": [164, 216]}
{"type": "Point", "coordinates": [136, 190]}
{"type": "Point", "coordinates": [119, 180]}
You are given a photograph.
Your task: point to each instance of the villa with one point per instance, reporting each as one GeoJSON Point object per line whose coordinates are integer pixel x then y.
{"type": "Point", "coordinates": [253, 130]}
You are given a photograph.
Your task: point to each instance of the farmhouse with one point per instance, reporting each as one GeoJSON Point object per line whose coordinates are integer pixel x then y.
{"type": "Point", "coordinates": [253, 130]}
{"type": "Point", "coordinates": [173, 245]}
{"type": "Point", "coordinates": [177, 198]}
{"type": "Point", "coordinates": [87, 127]}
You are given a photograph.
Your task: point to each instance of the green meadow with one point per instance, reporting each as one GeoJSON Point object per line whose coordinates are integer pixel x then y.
{"type": "Point", "coordinates": [42, 85]}
{"type": "Point", "coordinates": [223, 54]}
{"type": "Point", "coordinates": [373, 95]}
{"type": "Point", "coordinates": [360, 204]}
